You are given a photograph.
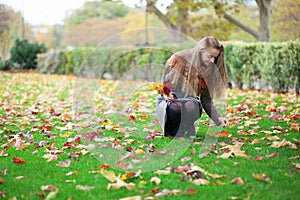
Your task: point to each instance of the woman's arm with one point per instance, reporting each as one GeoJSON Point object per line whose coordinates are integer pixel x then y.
{"type": "Point", "coordinates": [211, 109]}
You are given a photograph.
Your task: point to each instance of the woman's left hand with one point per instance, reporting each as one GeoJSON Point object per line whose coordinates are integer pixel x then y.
{"type": "Point", "coordinates": [223, 121]}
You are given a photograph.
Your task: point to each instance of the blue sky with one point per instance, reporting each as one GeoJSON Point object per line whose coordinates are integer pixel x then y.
{"type": "Point", "coordinates": [50, 11]}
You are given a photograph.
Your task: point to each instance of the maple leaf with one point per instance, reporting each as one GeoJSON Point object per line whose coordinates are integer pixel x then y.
{"type": "Point", "coordinates": [165, 88]}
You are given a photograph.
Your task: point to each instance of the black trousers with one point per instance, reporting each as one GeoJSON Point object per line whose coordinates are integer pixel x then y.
{"type": "Point", "coordinates": [181, 117]}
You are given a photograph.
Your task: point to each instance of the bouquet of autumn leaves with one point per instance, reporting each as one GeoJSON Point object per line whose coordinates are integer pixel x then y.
{"type": "Point", "coordinates": [164, 89]}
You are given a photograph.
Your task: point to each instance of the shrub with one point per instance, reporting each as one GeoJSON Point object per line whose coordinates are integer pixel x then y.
{"type": "Point", "coordinates": [24, 54]}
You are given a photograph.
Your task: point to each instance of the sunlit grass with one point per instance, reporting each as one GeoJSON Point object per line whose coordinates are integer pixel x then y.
{"type": "Point", "coordinates": [41, 107]}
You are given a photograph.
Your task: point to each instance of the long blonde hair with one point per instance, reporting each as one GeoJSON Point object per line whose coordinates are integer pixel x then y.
{"type": "Point", "coordinates": [217, 81]}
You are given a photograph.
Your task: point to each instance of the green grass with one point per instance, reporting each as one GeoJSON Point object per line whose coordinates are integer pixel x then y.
{"type": "Point", "coordinates": [248, 111]}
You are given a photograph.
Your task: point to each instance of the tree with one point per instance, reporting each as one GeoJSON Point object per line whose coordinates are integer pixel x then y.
{"type": "Point", "coordinates": [222, 8]}
{"type": "Point", "coordinates": [97, 9]}
{"type": "Point", "coordinates": [11, 29]}
{"type": "Point", "coordinates": [263, 33]}
{"type": "Point", "coordinates": [285, 20]}
{"type": "Point", "coordinates": [192, 18]}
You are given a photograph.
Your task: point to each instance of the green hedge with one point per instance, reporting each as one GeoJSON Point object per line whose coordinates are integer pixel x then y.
{"type": "Point", "coordinates": [250, 65]}
{"type": "Point", "coordinates": [274, 65]}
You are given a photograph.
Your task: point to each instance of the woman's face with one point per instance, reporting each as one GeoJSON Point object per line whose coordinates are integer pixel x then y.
{"type": "Point", "coordinates": [208, 57]}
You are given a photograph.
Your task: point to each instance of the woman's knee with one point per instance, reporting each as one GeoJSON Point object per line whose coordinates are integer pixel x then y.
{"type": "Point", "coordinates": [193, 109]}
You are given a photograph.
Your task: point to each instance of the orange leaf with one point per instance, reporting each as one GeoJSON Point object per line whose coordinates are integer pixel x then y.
{"type": "Point", "coordinates": [261, 177]}
{"type": "Point", "coordinates": [191, 191]}
{"type": "Point", "coordinates": [104, 166]}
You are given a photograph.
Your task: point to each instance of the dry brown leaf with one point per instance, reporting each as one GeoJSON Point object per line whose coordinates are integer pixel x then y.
{"type": "Point", "coordinates": [50, 157]}
{"type": "Point", "coordinates": [155, 180]}
{"type": "Point", "coordinates": [283, 143]}
{"type": "Point", "coordinates": [200, 181]}
{"type": "Point", "coordinates": [119, 184]}
{"type": "Point", "coordinates": [132, 198]}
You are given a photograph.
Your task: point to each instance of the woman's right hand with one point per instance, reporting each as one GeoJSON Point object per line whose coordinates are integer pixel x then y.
{"type": "Point", "coordinates": [170, 97]}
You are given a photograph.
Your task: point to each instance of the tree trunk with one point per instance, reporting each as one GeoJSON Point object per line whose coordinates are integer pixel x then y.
{"type": "Point", "coordinates": [264, 19]}
{"type": "Point", "coordinates": [263, 34]}
{"type": "Point", "coordinates": [182, 19]}
{"type": "Point", "coordinates": [151, 8]}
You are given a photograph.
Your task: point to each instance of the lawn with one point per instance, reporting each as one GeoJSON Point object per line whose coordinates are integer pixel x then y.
{"type": "Point", "coordinates": [63, 137]}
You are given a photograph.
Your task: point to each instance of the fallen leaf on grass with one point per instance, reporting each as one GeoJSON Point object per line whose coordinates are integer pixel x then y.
{"type": "Point", "coordinates": [71, 173]}
{"type": "Point", "coordinates": [50, 157]}
{"type": "Point", "coordinates": [185, 159]}
{"type": "Point", "coordinates": [294, 157]}
{"type": "Point", "coordinates": [155, 180]}
{"type": "Point", "coordinates": [261, 177]}
{"type": "Point", "coordinates": [272, 155]}
{"type": "Point", "coordinates": [191, 191]}
{"type": "Point", "coordinates": [3, 154]}
{"type": "Point", "coordinates": [119, 184]}
{"type": "Point", "coordinates": [84, 188]}
{"type": "Point", "coordinates": [18, 161]}
{"type": "Point", "coordinates": [297, 166]}
{"type": "Point", "coordinates": [64, 164]}
{"type": "Point", "coordinates": [163, 172]}
{"type": "Point", "coordinates": [200, 181]}
{"type": "Point", "coordinates": [283, 143]}
{"type": "Point", "coordinates": [104, 166]}
{"type": "Point", "coordinates": [53, 191]}
{"type": "Point", "coordinates": [238, 180]}
{"type": "Point", "coordinates": [128, 175]}
{"type": "Point", "coordinates": [132, 198]}
{"type": "Point", "coordinates": [295, 127]}
{"type": "Point", "coordinates": [109, 175]}
{"type": "Point", "coordinates": [70, 181]}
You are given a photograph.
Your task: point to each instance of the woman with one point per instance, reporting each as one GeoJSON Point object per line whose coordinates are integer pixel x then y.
{"type": "Point", "coordinates": [193, 77]}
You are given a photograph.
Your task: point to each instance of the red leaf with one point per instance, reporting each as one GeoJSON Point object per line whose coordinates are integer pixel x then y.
{"type": "Point", "coordinates": [104, 166]}
{"type": "Point", "coordinates": [191, 191]}
{"type": "Point", "coordinates": [18, 161]}
{"type": "Point", "coordinates": [154, 191]}
{"type": "Point", "coordinates": [131, 118]}
{"type": "Point", "coordinates": [167, 88]}
{"type": "Point", "coordinates": [77, 140]}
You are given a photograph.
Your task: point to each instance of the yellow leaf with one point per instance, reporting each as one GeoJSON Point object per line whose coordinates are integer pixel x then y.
{"type": "Point", "coordinates": [139, 151]}
{"type": "Point", "coordinates": [109, 175]}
